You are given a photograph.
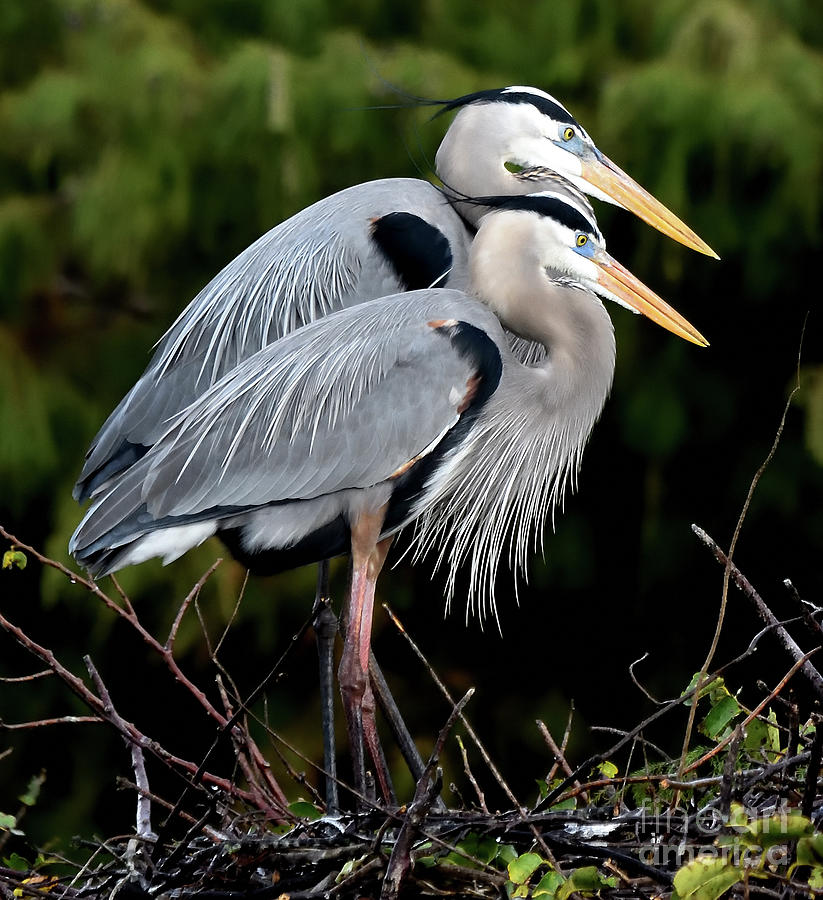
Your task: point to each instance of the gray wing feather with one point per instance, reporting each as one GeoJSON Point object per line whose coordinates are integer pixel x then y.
{"type": "Point", "coordinates": [341, 404]}
{"type": "Point", "coordinates": [318, 261]}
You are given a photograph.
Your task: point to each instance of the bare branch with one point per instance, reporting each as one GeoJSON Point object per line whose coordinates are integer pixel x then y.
{"type": "Point", "coordinates": [481, 798]}
{"type": "Point", "coordinates": [24, 678]}
{"type": "Point", "coordinates": [558, 753]}
{"type": "Point", "coordinates": [727, 570]}
{"type": "Point", "coordinates": [192, 595]}
{"type": "Point", "coordinates": [471, 732]}
{"type": "Point", "coordinates": [638, 685]}
{"type": "Point", "coordinates": [43, 723]}
{"type": "Point", "coordinates": [762, 609]}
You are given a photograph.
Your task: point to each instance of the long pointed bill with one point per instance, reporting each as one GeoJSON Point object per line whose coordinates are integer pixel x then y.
{"type": "Point", "coordinates": [615, 183]}
{"type": "Point", "coordinates": [620, 282]}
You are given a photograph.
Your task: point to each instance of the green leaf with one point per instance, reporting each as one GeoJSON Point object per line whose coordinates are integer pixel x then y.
{"type": "Point", "coordinates": [543, 787]}
{"type": "Point", "coordinates": [816, 879]}
{"type": "Point", "coordinates": [351, 866]}
{"type": "Point", "coordinates": [506, 854]}
{"type": "Point", "coordinates": [481, 848]}
{"type": "Point", "coordinates": [737, 816]}
{"type": "Point", "coordinates": [587, 880]}
{"type": "Point", "coordinates": [12, 558]}
{"type": "Point", "coordinates": [709, 685]}
{"type": "Point", "coordinates": [548, 885]}
{"type": "Point", "coordinates": [305, 810]}
{"type": "Point", "coordinates": [522, 868]}
{"type": "Point", "coordinates": [779, 829]}
{"type": "Point", "coordinates": [810, 850]}
{"type": "Point", "coordinates": [719, 716]}
{"type": "Point", "coordinates": [17, 862]}
{"type": "Point", "coordinates": [7, 820]}
{"type": "Point", "coordinates": [607, 769]}
{"type": "Point", "coordinates": [706, 879]}
{"type": "Point", "coordinates": [33, 790]}
{"type": "Point", "coordinates": [772, 732]}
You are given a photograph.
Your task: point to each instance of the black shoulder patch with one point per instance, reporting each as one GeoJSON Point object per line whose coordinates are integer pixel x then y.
{"type": "Point", "coordinates": [474, 345]}
{"type": "Point", "coordinates": [503, 95]}
{"type": "Point", "coordinates": [418, 252]}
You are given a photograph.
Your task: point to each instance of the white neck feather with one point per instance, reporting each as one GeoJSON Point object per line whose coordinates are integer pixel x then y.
{"type": "Point", "coordinates": [471, 160]}
{"type": "Point", "coordinates": [500, 486]}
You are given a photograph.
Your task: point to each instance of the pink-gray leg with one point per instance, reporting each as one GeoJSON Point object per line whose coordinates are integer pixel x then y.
{"type": "Point", "coordinates": [368, 556]}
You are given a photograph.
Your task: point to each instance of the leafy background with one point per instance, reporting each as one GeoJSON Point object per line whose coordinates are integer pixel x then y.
{"type": "Point", "coordinates": [146, 142]}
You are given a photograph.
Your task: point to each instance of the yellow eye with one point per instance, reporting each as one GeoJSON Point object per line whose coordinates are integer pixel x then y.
{"type": "Point", "coordinates": [568, 134]}
{"type": "Point", "coordinates": [582, 240]}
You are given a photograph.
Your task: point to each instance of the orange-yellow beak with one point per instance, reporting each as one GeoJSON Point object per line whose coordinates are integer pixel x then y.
{"type": "Point", "coordinates": [620, 282]}
{"type": "Point", "coordinates": [601, 172]}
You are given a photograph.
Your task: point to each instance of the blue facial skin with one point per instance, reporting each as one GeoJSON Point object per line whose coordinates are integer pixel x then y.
{"type": "Point", "coordinates": [587, 248]}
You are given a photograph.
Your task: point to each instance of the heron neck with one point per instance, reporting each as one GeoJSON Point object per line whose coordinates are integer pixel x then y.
{"type": "Point", "coordinates": [508, 275]}
{"type": "Point", "coordinates": [471, 163]}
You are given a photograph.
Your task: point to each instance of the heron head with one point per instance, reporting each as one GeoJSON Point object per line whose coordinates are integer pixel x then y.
{"type": "Point", "coordinates": [539, 139]}
{"type": "Point", "coordinates": [563, 232]}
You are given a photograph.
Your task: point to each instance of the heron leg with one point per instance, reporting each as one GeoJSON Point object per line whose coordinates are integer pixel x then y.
{"type": "Point", "coordinates": [368, 556]}
{"type": "Point", "coordinates": [325, 628]}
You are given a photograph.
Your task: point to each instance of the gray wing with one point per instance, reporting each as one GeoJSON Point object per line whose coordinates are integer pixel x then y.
{"type": "Point", "coordinates": [323, 259]}
{"type": "Point", "coordinates": [342, 404]}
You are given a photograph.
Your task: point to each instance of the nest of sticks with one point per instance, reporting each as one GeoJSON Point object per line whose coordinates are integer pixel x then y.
{"type": "Point", "coordinates": [738, 814]}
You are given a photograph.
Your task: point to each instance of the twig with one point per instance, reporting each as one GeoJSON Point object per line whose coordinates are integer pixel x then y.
{"type": "Point", "coordinates": [427, 789]}
{"type": "Point", "coordinates": [727, 785]}
{"type": "Point", "coordinates": [727, 571]}
{"type": "Point", "coordinates": [645, 742]}
{"type": "Point", "coordinates": [752, 715]}
{"type": "Point", "coordinates": [23, 678]}
{"type": "Point", "coordinates": [558, 753]}
{"type": "Point", "coordinates": [813, 771]}
{"type": "Point", "coordinates": [59, 720]}
{"type": "Point", "coordinates": [481, 797]}
{"type": "Point", "coordinates": [638, 685]}
{"type": "Point", "coordinates": [809, 609]}
{"type": "Point", "coordinates": [154, 798]}
{"type": "Point", "coordinates": [275, 801]}
{"type": "Point", "coordinates": [472, 734]}
{"type": "Point", "coordinates": [192, 595]}
{"type": "Point", "coordinates": [763, 610]}
{"type": "Point", "coordinates": [91, 700]}
{"type": "Point", "coordinates": [565, 742]}
{"type": "Point", "coordinates": [232, 618]}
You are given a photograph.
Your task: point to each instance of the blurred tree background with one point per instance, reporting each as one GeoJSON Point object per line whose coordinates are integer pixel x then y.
{"type": "Point", "coordinates": [144, 143]}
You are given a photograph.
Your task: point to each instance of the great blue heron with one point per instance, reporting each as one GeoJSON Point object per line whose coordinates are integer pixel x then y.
{"type": "Point", "coordinates": [411, 408]}
{"type": "Point", "coordinates": [365, 242]}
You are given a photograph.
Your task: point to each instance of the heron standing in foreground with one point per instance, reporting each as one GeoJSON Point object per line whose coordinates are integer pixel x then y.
{"type": "Point", "coordinates": [365, 242]}
{"type": "Point", "coordinates": [409, 409]}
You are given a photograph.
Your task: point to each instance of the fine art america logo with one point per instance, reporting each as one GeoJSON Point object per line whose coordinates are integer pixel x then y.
{"type": "Point", "coordinates": [744, 838]}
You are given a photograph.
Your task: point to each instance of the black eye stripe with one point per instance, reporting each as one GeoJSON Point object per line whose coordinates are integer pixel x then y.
{"type": "Point", "coordinates": [553, 207]}
{"type": "Point", "coordinates": [502, 95]}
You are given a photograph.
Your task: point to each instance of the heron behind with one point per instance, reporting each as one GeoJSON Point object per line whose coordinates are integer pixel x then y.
{"type": "Point", "coordinates": [365, 242]}
{"type": "Point", "coordinates": [410, 409]}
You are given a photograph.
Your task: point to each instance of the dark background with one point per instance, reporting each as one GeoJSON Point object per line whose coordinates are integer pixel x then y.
{"type": "Point", "coordinates": [144, 144]}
